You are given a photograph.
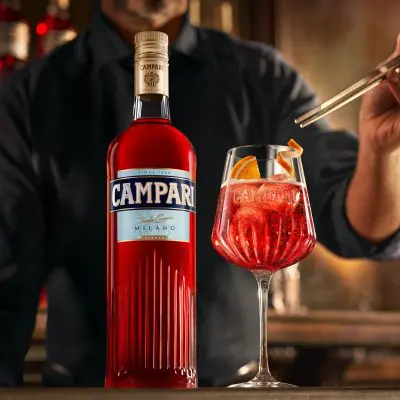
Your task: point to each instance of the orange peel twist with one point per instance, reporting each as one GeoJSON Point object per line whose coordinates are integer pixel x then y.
{"type": "Point", "coordinates": [280, 157]}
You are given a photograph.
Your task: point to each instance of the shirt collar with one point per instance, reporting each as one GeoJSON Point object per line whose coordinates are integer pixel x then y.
{"type": "Point", "coordinates": [108, 46]}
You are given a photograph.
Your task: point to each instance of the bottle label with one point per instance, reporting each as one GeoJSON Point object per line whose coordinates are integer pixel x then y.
{"type": "Point", "coordinates": [14, 39]}
{"type": "Point", "coordinates": [56, 38]}
{"type": "Point", "coordinates": [153, 204]}
{"type": "Point", "coordinates": [151, 76]}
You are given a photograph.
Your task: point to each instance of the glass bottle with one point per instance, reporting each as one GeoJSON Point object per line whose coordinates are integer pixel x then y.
{"type": "Point", "coordinates": [151, 265]}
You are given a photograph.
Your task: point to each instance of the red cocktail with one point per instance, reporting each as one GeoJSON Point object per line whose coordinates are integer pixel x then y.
{"type": "Point", "coordinates": [263, 223]}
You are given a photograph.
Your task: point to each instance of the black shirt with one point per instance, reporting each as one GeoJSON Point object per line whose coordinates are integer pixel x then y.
{"type": "Point", "coordinates": [57, 118]}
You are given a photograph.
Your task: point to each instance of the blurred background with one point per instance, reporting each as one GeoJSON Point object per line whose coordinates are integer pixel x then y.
{"type": "Point", "coordinates": [340, 318]}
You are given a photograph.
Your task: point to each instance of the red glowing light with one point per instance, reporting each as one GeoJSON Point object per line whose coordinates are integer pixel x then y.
{"type": "Point", "coordinates": [41, 29]}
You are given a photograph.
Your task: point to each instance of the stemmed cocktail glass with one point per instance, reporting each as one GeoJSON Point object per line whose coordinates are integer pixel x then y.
{"type": "Point", "coordinates": [263, 223]}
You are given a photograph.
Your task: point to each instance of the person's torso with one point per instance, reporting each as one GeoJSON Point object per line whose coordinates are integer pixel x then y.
{"type": "Point", "coordinates": [75, 115]}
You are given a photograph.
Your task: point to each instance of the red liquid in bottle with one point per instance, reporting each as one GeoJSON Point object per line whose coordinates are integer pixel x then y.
{"type": "Point", "coordinates": [151, 265]}
{"type": "Point", "coordinates": [263, 225]}
{"type": "Point", "coordinates": [14, 37]}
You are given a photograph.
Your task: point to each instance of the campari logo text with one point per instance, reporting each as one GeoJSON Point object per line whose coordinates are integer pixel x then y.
{"type": "Point", "coordinates": [143, 192]}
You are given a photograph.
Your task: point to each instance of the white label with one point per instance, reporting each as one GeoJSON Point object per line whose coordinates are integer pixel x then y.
{"type": "Point", "coordinates": [153, 204]}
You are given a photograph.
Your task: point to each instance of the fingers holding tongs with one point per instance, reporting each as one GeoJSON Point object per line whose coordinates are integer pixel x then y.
{"type": "Point", "coordinates": [365, 84]}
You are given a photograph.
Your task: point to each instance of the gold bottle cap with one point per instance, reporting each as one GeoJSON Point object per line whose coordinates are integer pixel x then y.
{"type": "Point", "coordinates": [151, 43]}
{"type": "Point", "coordinates": [151, 36]}
{"type": "Point", "coordinates": [151, 63]}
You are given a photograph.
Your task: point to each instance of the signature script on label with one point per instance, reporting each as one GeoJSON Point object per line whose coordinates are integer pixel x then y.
{"type": "Point", "coordinates": [159, 219]}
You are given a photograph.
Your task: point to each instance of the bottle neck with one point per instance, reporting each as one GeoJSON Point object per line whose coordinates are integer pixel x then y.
{"type": "Point", "coordinates": [151, 85]}
{"type": "Point", "coordinates": [154, 106]}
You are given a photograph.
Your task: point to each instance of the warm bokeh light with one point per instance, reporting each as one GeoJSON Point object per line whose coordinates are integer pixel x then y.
{"type": "Point", "coordinates": [41, 29]}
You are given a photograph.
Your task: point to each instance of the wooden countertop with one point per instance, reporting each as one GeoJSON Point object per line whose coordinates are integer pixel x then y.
{"type": "Point", "coordinates": [209, 394]}
{"type": "Point", "coordinates": [320, 328]}
{"type": "Point", "coordinates": [312, 331]}
{"type": "Point", "coordinates": [335, 328]}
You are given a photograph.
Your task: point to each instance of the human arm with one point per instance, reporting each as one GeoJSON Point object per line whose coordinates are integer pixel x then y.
{"type": "Point", "coordinates": [330, 160]}
{"type": "Point", "coordinates": [21, 233]}
{"type": "Point", "coordinates": [373, 198]}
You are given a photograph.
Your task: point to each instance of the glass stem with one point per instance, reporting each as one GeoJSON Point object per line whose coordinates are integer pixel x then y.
{"type": "Point", "coordinates": [263, 281]}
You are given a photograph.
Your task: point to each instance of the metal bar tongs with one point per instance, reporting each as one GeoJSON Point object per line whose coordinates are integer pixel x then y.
{"type": "Point", "coordinates": [365, 84]}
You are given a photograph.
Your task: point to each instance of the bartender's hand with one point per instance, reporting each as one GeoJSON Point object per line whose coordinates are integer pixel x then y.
{"type": "Point", "coordinates": [373, 197]}
{"type": "Point", "coordinates": [380, 114]}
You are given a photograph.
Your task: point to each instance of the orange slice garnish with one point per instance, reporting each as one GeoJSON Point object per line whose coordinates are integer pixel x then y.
{"type": "Point", "coordinates": [283, 163]}
{"type": "Point", "coordinates": [246, 168]}
{"type": "Point", "coordinates": [280, 157]}
{"type": "Point", "coordinates": [294, 145]}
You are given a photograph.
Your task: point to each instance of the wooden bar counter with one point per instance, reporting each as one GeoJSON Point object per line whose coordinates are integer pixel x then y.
{"type": "Point", "coordinates": [317, 348]}
{"type": "Point", "coordinates": [320, 328]}
{"type": "Point", "coordinates": [335, 328]}
{"type": "Point", "coordinates": [208, 394]}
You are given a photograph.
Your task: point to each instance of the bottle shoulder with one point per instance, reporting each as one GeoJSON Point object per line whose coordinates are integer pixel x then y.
{"type": "Point", "coordinates": [152, 144]}
{"type": "Point", "coordinates": [150, 133]}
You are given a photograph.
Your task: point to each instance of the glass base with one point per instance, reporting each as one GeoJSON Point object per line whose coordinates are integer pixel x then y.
{"type": "Point", "coordinates": [262, 383]}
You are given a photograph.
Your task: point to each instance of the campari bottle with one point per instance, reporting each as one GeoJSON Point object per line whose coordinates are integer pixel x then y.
{"type": "Point", "coordinates": [151, 266]}
{"type": "Point", "coordinates": [56, 27]}
{"type": "Point", "coordinates": [14, 37]}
